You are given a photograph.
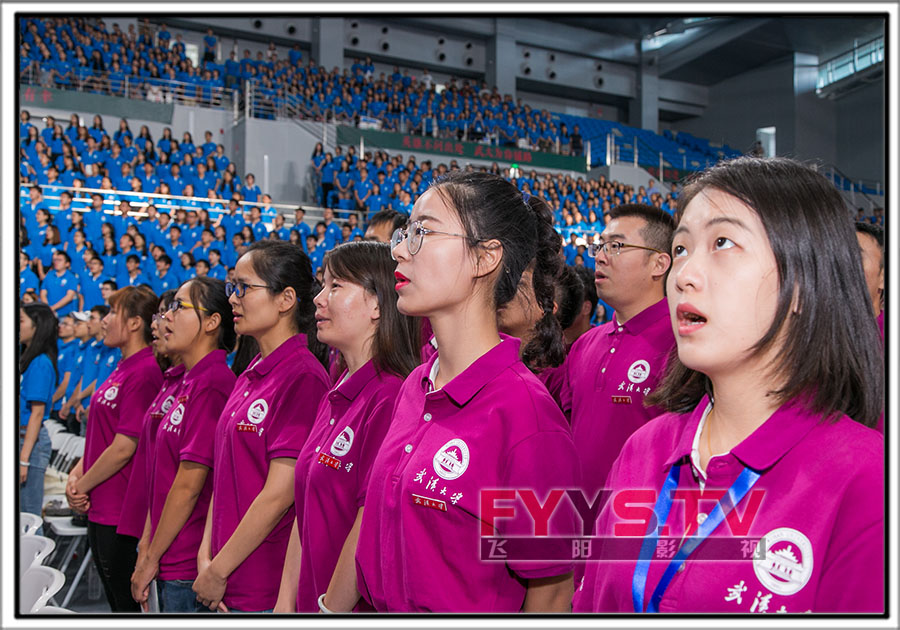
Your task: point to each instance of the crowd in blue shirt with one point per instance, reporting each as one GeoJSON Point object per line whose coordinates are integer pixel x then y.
{"type": "Point", "coordinates": [80, 52]}
{"type": "Point", "coordinates": [77, 245]}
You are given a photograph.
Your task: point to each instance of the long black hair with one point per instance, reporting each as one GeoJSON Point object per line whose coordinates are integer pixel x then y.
{"type": "Point", "coordinates": [280, 265]}
{"type": "Point", "coordinates": [491, 208]}
{"type": "Point", "coordinates": [397, 343]}
{"type": "Point", "coordinates": [46, 333]}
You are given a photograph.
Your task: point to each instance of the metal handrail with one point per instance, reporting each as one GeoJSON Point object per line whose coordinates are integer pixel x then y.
{"type": "Point", "coordinates": [133, 87]}
{"type": "Point", "coordinates": [313, 213]}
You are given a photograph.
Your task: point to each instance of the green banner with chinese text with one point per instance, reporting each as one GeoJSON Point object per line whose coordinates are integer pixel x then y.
{"type": "Point", "coordinates": [455, 149]}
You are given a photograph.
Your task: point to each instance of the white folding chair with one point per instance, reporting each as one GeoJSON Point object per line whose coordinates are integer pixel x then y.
{"type": "Point", "coordinates": [33, 550]}
{"type": "Point", "coordinates": [54, 610]}
{"type": "Point", "coordinates": [38, 585]}
{"type": "Point", "coordinates": [62, 526]}
{"type": "Point", "coordinates": [29, 523]}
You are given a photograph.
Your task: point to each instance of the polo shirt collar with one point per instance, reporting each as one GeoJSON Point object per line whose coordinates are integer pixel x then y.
{"type": "Point", "coordinates": [464, 387]}
{"type": "Point", "coordinates": [261, 367]}
{"type": "Point", "coordinates": [351, 386]}
{"type": "Point", "coordinates": [203, 365]}
{"type": "Point", "coordinates": [764, 447]}
{"type": "Point", "coordinates": [174, 372]}
{"type": "Point", "coordinates": [137, 357]}
{"type": "Point", "coordinates": [643, 320]}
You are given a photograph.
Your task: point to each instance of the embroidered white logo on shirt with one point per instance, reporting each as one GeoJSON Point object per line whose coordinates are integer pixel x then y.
{"type": "Point", "coordinates": [258, 410]}
{"type": "Point", "coordinates": [639, 371]}
{"type": "Point", "coordinates": [167, 404]}
{"type": "Point", "coordinates": [785, 564]}
{"type": "Point", "coordinates": [452, 459]}
{"type": "Point", "coordinates": [111, 393]}
{"type": "Point", "coordinates": [342, 443]}
{"type": "Point", "coordinates": [177, 415]}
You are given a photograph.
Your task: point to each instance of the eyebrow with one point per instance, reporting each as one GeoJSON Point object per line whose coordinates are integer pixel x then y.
{"type": "Point", "coordinates": [716, 221]}
{"type": "Point", "coordinates": [427, 217]}
{"type": "Point", "coordinates": [611, 237]}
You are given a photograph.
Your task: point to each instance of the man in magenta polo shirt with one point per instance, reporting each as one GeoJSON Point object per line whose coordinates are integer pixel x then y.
{"type": "Point", "coordinates": [611, 368]}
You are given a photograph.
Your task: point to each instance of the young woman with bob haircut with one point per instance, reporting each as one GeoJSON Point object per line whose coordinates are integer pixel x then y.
{"type": "Point", "coordinates": [776, 380]}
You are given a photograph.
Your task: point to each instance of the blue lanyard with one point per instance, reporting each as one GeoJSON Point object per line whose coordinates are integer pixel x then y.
{"type": "Point", "coordinates": [732, 497]}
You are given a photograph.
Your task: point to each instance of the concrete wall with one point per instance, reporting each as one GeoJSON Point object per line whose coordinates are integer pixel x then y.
{"type": "Point", "coordinates": [847, 132]}
{"type": "Point", "coordinates": [740, 105]}
{"type": "Point", "coordinates": [860, 133]}
{"type": "Point", "coordinates": [278, 154]}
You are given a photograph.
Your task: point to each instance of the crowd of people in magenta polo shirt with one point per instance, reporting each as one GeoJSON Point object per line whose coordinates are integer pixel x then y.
{"type": "Point", "coordinates": [431, 426]}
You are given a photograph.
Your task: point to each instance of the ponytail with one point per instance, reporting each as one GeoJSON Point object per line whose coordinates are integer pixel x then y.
{"type": "Point", "coordinates": [546, 347]}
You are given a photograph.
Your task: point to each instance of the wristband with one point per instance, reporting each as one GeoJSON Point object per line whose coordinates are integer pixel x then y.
{"type": "Point", "coordinates": [322, 605]}
{"type": "Point", "coordinates": [26, 464]}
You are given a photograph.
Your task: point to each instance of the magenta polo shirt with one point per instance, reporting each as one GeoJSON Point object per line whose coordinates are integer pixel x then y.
{"type": "Point", "coordinates": [134, 508]}
{"type": "Point", "coordinates": [820, 515]}
{"type": "Point", "coordinates": [609, 371]}
{"type": "Point", "coordinates": [185, 435]}
{"type": "Point", "coordinates": [333, 469]}
{"type": "Point", "coordinates": [268, 415]}
{"type": "Point", "coordinates": [553, 379]}
{"type": "Point", "coordinates": [118, 406]}
{"type": "Point", "coordinates": [492, 427]}
{"type": "Point", "coordinates": [880, 322]}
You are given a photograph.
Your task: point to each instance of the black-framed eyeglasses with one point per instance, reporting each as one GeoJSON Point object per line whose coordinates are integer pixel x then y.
{"type": "Point", "coordinates": [414, 234]}
{"type": "Point", "coordinates": [177, 305]}
{"type": "Point", "coordinates": [614, 248]}
{"type": "Point", "coordinates": [240, 288]}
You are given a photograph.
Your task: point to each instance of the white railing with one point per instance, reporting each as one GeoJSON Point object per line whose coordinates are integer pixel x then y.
{"type": "Point", "coordinates": [152, 89]}
{"type": "Point", "coordinates": [215, 207]}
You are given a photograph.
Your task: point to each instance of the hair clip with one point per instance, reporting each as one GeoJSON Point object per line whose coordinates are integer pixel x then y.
{"type": "Point", "coordinates": [525, 197]}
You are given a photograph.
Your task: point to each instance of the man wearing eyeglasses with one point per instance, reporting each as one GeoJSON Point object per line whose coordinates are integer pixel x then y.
{"type": "Point", "coordinates": [611, 368]}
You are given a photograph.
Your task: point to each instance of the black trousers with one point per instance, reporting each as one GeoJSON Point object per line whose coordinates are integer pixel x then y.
{"type": "Point", "coordinates": [114, 556]}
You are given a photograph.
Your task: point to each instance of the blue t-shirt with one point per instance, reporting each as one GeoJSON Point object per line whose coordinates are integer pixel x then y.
{"type": "Point", "coordinates": [76, 370]}
{"type": "Point", "coordinates": [36, 385]}
{"type": "Point", "coordinates": [91, 289]}
{"type": "Point", "coordinates": [65, 361]}
{"type": "Point", "coordinates": [57, 287]}
{"type": "Point", "coordinates": [109, 359]}
{"type": "Point", "coordinates": [28, 280]}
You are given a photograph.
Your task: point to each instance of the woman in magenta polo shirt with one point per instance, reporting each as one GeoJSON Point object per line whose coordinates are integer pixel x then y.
{"type": "Point", "coordinates": [198, 330]}
{"type": "Point", "coordinates": [134, 507]}
{"type": "Point", "coordinates": [356, 313]}
{"type": "Point", "coordinates": [766, 402]}
{"type": "Point", "coordinates": [261, 430]}
{"type": "Point", "coordinates": [99, 481]}
{"type": "Point", "coordinates": [473, 418]}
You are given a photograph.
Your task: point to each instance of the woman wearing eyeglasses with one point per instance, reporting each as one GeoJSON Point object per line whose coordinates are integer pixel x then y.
{"type": "Point", "coordinates": [198, 329]}
{"type": "Point", "coordinates": [473, 418]}
{"type": "Point", "coordinates": [356, 313]}
{"type": "Point", "coordinates": [770, 400]}
{"type": "Point", "coordinates": [99, 481]}
{"type": "Point", "coordinates": [134, 508]}
{"type": "Point", "coordinates": [261, 430]}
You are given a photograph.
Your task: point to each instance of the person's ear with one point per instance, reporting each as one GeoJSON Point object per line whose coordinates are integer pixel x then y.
{"type": "Point", "coordinates": [134, 324]}
{"type": "Point", "coordinates": [490, 255]}
{"type": "Point", "coordinates": [661, 264]}
{"type": "Point", "coordinates": [287, 300]}
{"type": "Point", "coordinates": [212, 322]}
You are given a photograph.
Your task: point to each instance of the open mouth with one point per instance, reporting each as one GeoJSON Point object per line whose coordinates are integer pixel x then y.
{"type": "Point", "coordinates": [689, 318]}
{"type": "Point", "coordinates": [402, 281]}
